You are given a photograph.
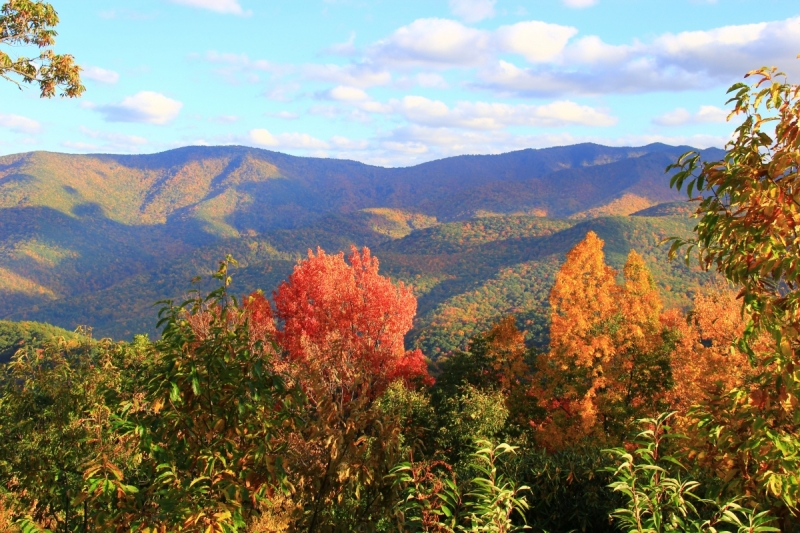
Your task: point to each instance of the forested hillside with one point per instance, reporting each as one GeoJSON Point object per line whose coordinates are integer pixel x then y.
{"type": "Point", "coordinates": [96, 240]}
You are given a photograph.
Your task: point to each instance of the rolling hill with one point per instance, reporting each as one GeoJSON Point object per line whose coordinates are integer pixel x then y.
{"type": "Point", "coordinates": [97, 239]}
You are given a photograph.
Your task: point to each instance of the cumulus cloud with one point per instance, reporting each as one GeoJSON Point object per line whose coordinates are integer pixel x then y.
{"type": "Point", "coordinates": [549, 59]}
{"type": "Point", "coordinates": [414, 144]}
{"type": "Point", "coordinates": [435, 42]}
{"type": "Point", "coordinates": [495, 116]}
{"type": "Point", "coordinates": [535, 41]}
{"type": "Point", "coordinates": [431, 80]}
{"type": "Point", "coordinates": [680, 116]}
{"type": "Point", "coordinates": [20, 124]}
{"type": "Point", "coordinates": [671, 62]}
{"type": "Point", "coordinates": [343, 143]}
{"type": "Point", "coordinates": [290, 141]}
{"type": "Point", "coordinates": [443, 43]}
{"type": "Point", "coordinates": [472, 10]}
{"type": "Point", "coordinates": [100, 75]}
{"type": "Point", "coordinates": [230, 7]}
{"type": "Point", "coordinates": [146, 107]}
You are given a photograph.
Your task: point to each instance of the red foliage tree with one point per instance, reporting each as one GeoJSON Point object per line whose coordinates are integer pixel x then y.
{"type": "Point", "coordinates": [348, 321]}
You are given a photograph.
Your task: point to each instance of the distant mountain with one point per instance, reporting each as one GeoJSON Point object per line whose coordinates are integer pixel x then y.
{"type": "Point", "coordinates": [226, 190]}
{"type": "Point", "coordinates": [96, 239]}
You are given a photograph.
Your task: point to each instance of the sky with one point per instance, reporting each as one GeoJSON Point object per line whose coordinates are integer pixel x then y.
{"type": "Point", "coordinates": [398, 82]}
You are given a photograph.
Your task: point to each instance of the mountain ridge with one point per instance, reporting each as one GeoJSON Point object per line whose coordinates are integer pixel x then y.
{"type": "Point", "coordinates": [76, 228]}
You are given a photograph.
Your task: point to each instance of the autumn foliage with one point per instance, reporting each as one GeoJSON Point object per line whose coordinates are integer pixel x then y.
{"type": "Point", "coordinates": [607, 359]}
{"type": "Point", "coordinates": [348, 321]}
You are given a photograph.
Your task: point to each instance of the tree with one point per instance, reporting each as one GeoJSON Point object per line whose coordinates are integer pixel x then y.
{"type": "Point", "coordinates": [47, 397]}
{"type": "Point", "coordinates": [342, 335]}
{"type": "Point", "coordinates": [660, 501]}
{"type": "Point", "coordinates": [608, 362]}
{"type": "Point", "coordinates": [748, 211]}
{"type": "Point", "coordinates": [640, 372]}
{"type": "Point", "coordinates": [706, 360]}
{"type": "Point", "coordinates": [32, 22]}
{"type": "Point", "coordinates": [582, 302]}
{"type": "Point", "coordinates": [208, 429]}
{"type": "Point", "coordinates": [348, 322]}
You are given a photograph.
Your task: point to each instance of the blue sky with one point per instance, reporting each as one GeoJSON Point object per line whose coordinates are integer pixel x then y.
{"type": "Point", "coordinates": [396, 83]}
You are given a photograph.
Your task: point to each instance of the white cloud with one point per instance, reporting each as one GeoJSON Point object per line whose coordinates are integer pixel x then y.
{"type": "Point", "coordinates": [238, 68]}
{"type": "Point", "coordinates": [376, 107]}
{"type": "Point", "coordinates": [358, 114]}
{"type": "Point", "coordinates": [20, 124]}
{"type": "Point", "coordinates": [230, 7]}
{"type": "Point", "coordinates": [414, 144]}
{"type": "Point", "coordinates": [671, 62]}
{"type": "Point", "coordinates": [592, 50]}
{"type": "Point", "coordinates": [353, 75]}
{"type": "Point", "coordinates": [290, 141]}
{"type": "Point", "coordinates": [443, 43]}
{"type": "Point", "coordinates": [435, 42]}
{"type": "Point", "coordinates": [100, 75]}
{"type": "Point", "coordinates": [113, 136]}
{"type": "Point", "coordinates": [343, 93]}
{"type": "Point", "coordinates": [495, 116]}
{"type": "Point", "coordinates": [535, 41]}
{"type": "Point", "coordinates": [680, 116]}
{"type": "Point", "coordinates": [579, 4]}
{"type": "Point", "coordinates": [282, 92]}
{"type": "Point", "coordinates": [263, 137]}
{"type": "Point", "coordinates": [81, 146]}
{"type": "Point", "coordinates": [146, 107]}
{"type": "Point", "coordinates": [242, 60]}
{"type": "Point", "coordinates": [472, 10]}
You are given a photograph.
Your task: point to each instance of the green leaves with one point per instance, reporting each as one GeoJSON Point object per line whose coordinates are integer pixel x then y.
{"type": "Point", "coordinates": [210, 426]}
{"type": "Point", "coordinates": [430, 498]}
{"type": "Point", "coordinates": [748, 214]}
{"type": "Point", "coordinates": [659, 501]}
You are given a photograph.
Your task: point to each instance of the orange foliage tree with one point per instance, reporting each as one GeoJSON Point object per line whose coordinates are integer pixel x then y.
{"type": "Point", "coordinates": [609, 354]}
{"type": "Point", "coordinates": [706, 360]}
{"type": "Point", "coordinates": [582, 305]}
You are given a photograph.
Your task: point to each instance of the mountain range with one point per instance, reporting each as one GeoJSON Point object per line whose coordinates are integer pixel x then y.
{"type": "Point", "coordinates": [97, 239]}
